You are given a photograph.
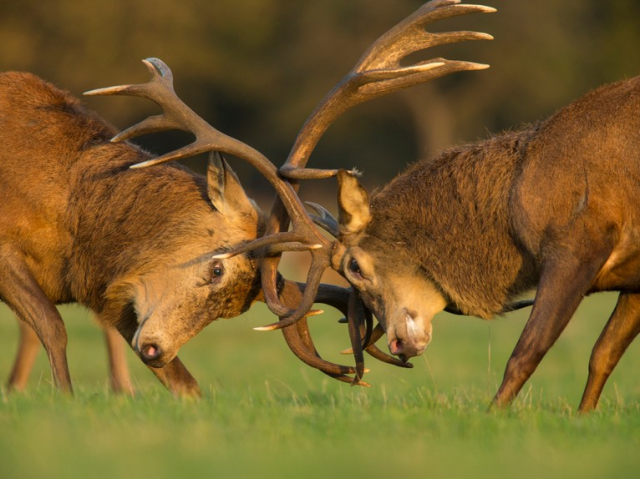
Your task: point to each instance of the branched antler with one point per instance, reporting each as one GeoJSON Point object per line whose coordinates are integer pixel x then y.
{"type": "Point", "coordinates": [377, 73]}
{"type": "Point", "coordinates": [303, 236]}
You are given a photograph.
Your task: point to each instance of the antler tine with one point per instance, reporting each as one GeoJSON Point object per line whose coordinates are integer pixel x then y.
{"type": "Point", "coordinates": [305, 338]}
{"type": "Point", "coordinates": [318, 264]}
{"type": "Point", "coordinates": [355, 318]}
{"type": "Point", "coordinates": [375, 352]}
{"type": "Point", "coordinates": [381, 356]}
{"type": "Point", "coordinates": [379, 72]}
{"type": "Point", "coordinates": [325, 219]}
{"type": "Point", "coordinates": [177, 115]}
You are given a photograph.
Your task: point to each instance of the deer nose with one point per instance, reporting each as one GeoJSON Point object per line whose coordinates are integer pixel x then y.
{"type": "Point", "coordinates": [406, 349]}
{"type": "Point", "coordinates": [408, 337]}
{"type": "Point", "coordinates": [150, 353]}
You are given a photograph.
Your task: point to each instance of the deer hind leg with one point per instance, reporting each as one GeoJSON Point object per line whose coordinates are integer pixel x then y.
{"type": "Point", "coordinates": [618, 334]}
{"type": "Point", "coordinates": [118, 369]}
{"type": "Point", "coordinates": [28, 348]}
{"type": "Point", "coordinates": [563, 284]}
{"type": "Point", "coordinates": [22, 293]}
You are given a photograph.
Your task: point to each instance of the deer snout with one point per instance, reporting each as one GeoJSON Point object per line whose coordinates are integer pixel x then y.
{"type": "Point", "coordinates": [151, 348]}
{"type": "Point", "coordinates": [408, 336]}
{"type": "Point", "coordinates": [406, 349]}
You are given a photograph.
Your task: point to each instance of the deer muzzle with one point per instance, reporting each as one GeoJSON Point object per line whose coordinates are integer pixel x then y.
{"type": "Point", "coordinates": [151, 348]}
{"type": "Point", "coordinates": [408, 335]}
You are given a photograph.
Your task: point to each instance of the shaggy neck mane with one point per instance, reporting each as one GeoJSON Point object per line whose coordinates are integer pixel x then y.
{"type": "Point", "coordinates": [461, 209]}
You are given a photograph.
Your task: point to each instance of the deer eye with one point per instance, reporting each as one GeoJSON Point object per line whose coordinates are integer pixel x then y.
{"type": "Point", "coordinates": [217, 270]}
{"type": "Point", "coordinates": [354, 267]}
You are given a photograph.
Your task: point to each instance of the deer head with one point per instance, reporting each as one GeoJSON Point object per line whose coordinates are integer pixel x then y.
{"type": "Point", "coordinates": [400, 295]}
{"type": "Point", "coordinates": [185, 290]}
{"type": "Point", "coordinates": [230, 277]}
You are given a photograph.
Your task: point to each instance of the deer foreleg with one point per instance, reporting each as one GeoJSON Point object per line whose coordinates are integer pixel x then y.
{"type": "Point", "coordinates": [562, 286]}
{"type": "Point", "coordinates": [620, 331]}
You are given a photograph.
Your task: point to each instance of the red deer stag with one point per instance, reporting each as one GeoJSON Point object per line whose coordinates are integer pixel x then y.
{"type": "Point", "coordinates": [549, 207]}
{"type": "Point", "coordinates": [133, 245]}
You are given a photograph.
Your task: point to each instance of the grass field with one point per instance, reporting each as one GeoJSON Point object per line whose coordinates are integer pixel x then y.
{"type": "Point", "coordinates": [266, 415]}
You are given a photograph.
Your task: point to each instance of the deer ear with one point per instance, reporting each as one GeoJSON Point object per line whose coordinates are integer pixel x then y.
{"type": "Point", "coordinates": [215, 180]}
{"type": "Point", "coordinates": [353, 204]}
{"type": "Point", "coordinates": [224, 188]}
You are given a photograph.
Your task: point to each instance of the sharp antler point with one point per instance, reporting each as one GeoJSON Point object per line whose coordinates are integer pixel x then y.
{"type": "Point", "coordinates": [481, 66]}
{"type": "Point", "coordinates": [486, 9]}
{"type": "Point", "coordinates": [265, 328]}
{"type": "Point", "coordinates": [137, 166]}
{"type": "Point", "coordinates": [221, 255]}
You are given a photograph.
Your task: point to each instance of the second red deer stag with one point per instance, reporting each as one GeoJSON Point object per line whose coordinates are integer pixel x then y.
{"type": "Point", "coordinates": [551, 207]}
{"type": "Point", "coordinates": [79, 223]}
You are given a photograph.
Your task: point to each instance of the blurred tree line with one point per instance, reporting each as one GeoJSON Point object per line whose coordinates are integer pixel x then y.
{"type": "Point", "coordinates": [256, 68]}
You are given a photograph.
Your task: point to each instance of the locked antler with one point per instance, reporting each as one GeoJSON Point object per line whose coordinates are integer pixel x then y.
{"type": "Point", "coordinates": [378, 72]}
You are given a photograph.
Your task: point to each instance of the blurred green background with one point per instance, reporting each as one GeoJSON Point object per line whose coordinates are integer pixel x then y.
{"type": "Point", "coordinates": [255, 69]}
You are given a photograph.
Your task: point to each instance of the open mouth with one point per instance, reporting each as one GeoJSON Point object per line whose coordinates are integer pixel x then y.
{"type": "Point", "coordinates": [396, 348]}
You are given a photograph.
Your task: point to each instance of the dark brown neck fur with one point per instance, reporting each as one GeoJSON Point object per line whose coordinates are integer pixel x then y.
{"type": "Point", "coordinates": [458, 203]}
{"type": "Point", "coordinates": [86, 189]}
